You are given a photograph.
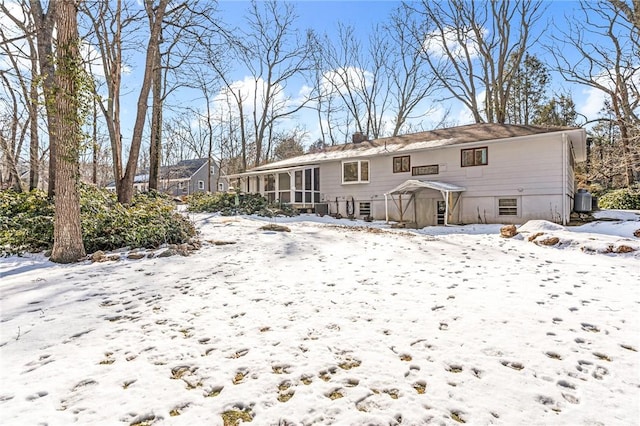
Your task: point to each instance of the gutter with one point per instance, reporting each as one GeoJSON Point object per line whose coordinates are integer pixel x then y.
{"type": "Point", "coordinates": [564, 178]}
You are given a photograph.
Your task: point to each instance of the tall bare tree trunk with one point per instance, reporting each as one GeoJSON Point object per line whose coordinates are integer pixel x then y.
{"type": "Point", "coordinates": [44, 33]}
{"type": "Point", "coordinates": [67, 231]}
{"type": "Point", "coordinates": [155, 144]}
{"type": "Point", "coordinates": [125, 187]}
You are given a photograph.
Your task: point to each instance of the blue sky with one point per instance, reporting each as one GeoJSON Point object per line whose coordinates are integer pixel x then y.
{"type": "Point", "coordinates": [324, 16]}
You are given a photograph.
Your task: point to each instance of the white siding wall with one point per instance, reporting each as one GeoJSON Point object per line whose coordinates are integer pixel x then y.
{"type": "Point", "coordinates": [529, 168]}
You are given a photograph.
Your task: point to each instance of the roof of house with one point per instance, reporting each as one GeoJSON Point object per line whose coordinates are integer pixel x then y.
{"type": "Point", "coordinates": [417, 141]}
{"type": "Point", "coordinates": [183, 170]}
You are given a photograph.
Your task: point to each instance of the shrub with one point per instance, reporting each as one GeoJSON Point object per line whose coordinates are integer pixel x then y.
{"type": "Point", "coordinates": [26, 221]}
{"type": "Point", "coordinates": [625, 199]}
{"type": "Point", "coordinates": [228, 204]}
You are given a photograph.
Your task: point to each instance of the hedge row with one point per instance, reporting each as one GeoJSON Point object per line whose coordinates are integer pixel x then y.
{"type": "Point", "coordinates": [228, 204]}
{"type": "Point", "coordinates": [625, 199]}
{"type": "Point", "coordinates": [26, 221]}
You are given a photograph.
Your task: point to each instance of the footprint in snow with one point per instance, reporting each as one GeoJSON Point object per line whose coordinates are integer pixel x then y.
{"type": "Point", "coordinates": [36, 395]}
{"type": "Point", "coordinates": [512, 364]}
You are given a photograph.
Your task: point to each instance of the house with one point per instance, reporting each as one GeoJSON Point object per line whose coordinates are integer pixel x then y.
{"type": "Point", "coordinates": [478, 173]}
{"type": "Point", "coordinates": [186, 177]}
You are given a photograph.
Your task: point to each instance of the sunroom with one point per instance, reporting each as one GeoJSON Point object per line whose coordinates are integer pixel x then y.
{"type": "Point", "coordinates": [297, 186]}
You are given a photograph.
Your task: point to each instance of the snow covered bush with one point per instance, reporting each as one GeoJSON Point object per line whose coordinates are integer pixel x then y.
{"type": "Point", "coordinates": [150, 221]}
{"type": "Point", "coordinates": [228, 204]}
{"type": "Point", "coordinates": [625, 199]}
{"type": "Point", "coordinates": [26, 221]}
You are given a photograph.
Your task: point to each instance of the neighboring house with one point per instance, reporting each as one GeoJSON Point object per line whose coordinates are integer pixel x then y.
{"type": "Point", "coordinates": [479, 173]}
{"type": "Point", "coordinates": [186, 177]}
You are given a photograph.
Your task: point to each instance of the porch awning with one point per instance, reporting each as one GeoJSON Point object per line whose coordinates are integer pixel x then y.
{"type": "Point", "coordinates": [270, 171]}
{"type": "Point", "coordinates": [414, 185]}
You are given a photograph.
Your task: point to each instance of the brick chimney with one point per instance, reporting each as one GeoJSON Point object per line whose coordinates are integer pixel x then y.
{"type": "Point", "coordinates": [358, 137]}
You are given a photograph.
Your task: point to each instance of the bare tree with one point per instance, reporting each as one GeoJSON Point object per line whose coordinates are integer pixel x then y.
{"type": "Point", "coordinates": [378, 90]}
{"type": "Point", "coordinates": [356, 77]}
{"type": "Point", "coordinates": [474, 49]}
{"type": "Point", "coordinates": [186, 32]}
{"type": "Point", "coordinates": [67, 231]}
{"type": "Point", "coordinates": [19, 50]}
{"type": "Point", "coordinates": [43, 24]}
{"type": "Point", "coordinates": [412, 81]}
{"type": "Point", "coordinates": [606, 36]}
{"type": "Point", "coordinates": [108, 23]}
{"type": "Point", "coordinates": [12, 135]}
{"type": "Point", "coordinates": [273, 52]}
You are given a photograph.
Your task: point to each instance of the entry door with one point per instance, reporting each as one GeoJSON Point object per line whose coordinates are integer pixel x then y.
{"type": "Point", "coordinates": [440, 209]}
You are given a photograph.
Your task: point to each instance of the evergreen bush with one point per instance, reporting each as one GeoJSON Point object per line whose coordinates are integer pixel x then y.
{"type": "Point", "coordinates": [26, 221]}
{"type": "Point", "coordinates": [624, 199]}
{"type": "Point", "coordinates": [228, 204]}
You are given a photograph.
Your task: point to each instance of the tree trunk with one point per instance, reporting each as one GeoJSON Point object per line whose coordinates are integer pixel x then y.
{"type": "Point", "coordinates": [67, 231]}
{"type": "Point", "coordinates": [34, 143]}
{"type": "Point", "coordinates": [155, 144]}
{"type": "Point", "coordinates": [125, 187]}
{"type": "Point", "coordinates": [44, 33]}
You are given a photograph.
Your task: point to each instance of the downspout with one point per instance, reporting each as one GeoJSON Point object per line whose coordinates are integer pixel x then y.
{"type": "Point", "coordinates": [564, 179]}
{"type": "Point", "coordinates": [445, 195]}
{"type": "Point", "coordinates": [386, 208]}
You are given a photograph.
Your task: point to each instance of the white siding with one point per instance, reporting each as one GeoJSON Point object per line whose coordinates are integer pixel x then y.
{"type": "Point", "coordinates": [530, 169]}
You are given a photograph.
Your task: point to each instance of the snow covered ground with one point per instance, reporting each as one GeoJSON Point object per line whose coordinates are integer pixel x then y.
{"type": "Point", "coordinates": [336, 322]}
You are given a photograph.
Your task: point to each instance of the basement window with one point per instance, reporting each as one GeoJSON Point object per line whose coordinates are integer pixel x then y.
{"type": "Point", "coordinates": [507, 207]}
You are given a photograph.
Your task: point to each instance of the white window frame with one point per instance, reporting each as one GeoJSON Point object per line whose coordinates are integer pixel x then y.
{"type": "Point", "coordinates": [508, 207]}
{"type": "Point", "coordinates": [359, 180]}
{"type": "Point", "coordinates": [220, 187]}
{"type": "Point", "coordinates": [201, 185]}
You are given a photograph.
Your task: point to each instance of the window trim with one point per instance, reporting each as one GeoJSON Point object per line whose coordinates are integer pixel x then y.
{"type": "Point", "coordinates": [401, 162]}
{"type": "Point", "coordinates": [414, 170]}
{"type": "Point", "coordinates": [359, 173]}
{"type": "Point", "coordinates": [201, 185]}
{"type": "Point", "coordinates": [473, 150]}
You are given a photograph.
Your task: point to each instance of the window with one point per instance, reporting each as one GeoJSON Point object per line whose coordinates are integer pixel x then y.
{"type": "Point", "coordinates": [220, 187]}
{"type": "Point", "coordinates": [201, 184]}
{"type": "Point", "coordinates": [269, 183]}
{"type": "Point", "coordinates": [401, 164]}
{"type": "Point", "coordinates": [365, 209]}
{"type": "Point", "coordinates": [355, 171]}
{"type": "Point", "coordinates": [425, 170]}
{"type": "Point", "coordinates": [507, 207]}
{"type": "Point", "coordinates": [474, 157]}
{"type": "Point", "coordinates": [180, 185]}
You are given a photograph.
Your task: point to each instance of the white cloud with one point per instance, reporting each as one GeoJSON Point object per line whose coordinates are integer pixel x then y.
{"type": "Point", "coordinates": [437, 43]}
{"type": "Point", "coordinates": [346, 79]}
{"type": "Point", "coordinates": [593, 102]}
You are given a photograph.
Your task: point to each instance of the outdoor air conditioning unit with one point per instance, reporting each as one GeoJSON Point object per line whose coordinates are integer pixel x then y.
{"type": "Point", "coordinates": [322, 209]}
